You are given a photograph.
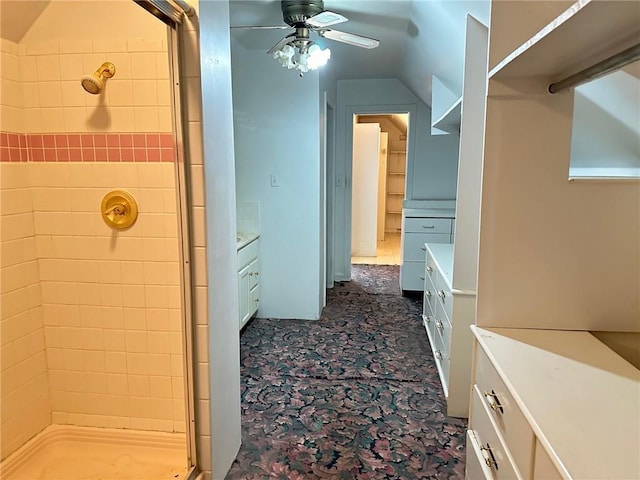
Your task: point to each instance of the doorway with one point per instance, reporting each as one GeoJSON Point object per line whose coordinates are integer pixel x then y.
{"type": "Point", "coordinates": [378, 183]}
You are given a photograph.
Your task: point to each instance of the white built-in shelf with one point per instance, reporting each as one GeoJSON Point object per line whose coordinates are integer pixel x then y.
{"type": "Point", "coordinates": [450, 119]}
{"type": "Point", "coordinates": [585, 33]}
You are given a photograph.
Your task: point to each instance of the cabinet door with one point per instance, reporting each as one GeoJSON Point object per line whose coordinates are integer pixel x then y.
{"type": "Point", "coordinates": [253, 273]}
{"type": "Point", "coordinates": [243, 295]}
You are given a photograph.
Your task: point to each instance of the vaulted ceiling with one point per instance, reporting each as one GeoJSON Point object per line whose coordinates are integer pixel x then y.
{"type": "Point", "coordinates": [418, 38]}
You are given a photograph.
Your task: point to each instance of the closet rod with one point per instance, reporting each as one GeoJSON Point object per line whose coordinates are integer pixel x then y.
{"type": "Point", "coordinates": [607, 65]}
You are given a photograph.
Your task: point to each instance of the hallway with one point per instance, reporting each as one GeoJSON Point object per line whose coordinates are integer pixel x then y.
{"type": "Point", "coordinates": [387, 252]}
{"type": "Point", "coordinates": [354, 395]}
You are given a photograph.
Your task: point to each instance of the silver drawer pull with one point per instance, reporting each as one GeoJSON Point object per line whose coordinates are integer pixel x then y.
{"type": "Point", "coordinates": [489, 459]}
{"type": "Point", "coordinates": [428, 318]}
{"type": "Point", "coordinates": [494, 403]}
{"type": "Point", "coordinates": [429, 269]}
{"type": "Point", "coordinates": [429, 226]}
{"type": "Point", "coordinates": [428, 293]}
{"type": "Point", "coordinates": [438, 354]}
{"type": "Point", "coordinates": [441, 294]}
{"type": "Point", "coordinates": [439, 325]}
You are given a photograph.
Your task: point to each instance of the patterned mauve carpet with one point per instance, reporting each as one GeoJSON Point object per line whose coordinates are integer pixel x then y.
{"type": "Point", "coordinates": [354, 395]}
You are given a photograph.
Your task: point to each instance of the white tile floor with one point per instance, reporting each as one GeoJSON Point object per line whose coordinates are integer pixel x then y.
{"type": "Point", "coordinates": [388, 252]}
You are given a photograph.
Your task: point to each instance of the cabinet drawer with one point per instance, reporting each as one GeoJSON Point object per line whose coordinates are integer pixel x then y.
{"type": "Point", "coordinates": [413, 248]}
{"type": "Point", "coordinates": [430, 268]}
{"type": "Point", "coordinates": [428, 225]}
{"type": "Point", "coordinates": [430, 296]}
{"type": "Point", "coordinates": [475, 467]}
{"type": "Point", "coordinates": [441, 354]}
{"type": "Point", "coordinates": [428, 321]}
{"type": "Point", "coordinates": [443, 327]}
{"type": "Point", "coordinates": [247, 253]}
{"type": "Point", "coordinates": [543, 467]}
{"type": "Point", "coordinates": [492, 449]}
{"type": "Point", "coordinates": [507, 416]}
{"type": "Point", "coordinates": [444, 296]}
{"type": "Point", "coordinates": [412, 276]}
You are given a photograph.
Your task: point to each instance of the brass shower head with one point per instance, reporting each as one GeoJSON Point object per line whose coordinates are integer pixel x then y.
{"type": "Point", "coordinates": [94, 83]}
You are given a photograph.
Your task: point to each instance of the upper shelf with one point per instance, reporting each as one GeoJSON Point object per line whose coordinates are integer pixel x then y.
{"type": "Point", "coordinates": [445, 108]}
{"type": "Point", "coordinates": [450, 120]}
{"type": "Point", "coordinates": [585, 33]}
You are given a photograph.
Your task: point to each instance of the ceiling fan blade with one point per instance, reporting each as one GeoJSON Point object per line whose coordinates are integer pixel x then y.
{"type": "Point", "coordinates": [262, 27]}
{"type": "Point", "coordinates": [282, 43]}
{"type": "Point", "coordinates": [326, 18]}
{"type": "Point", "coordinates": [350, 38]}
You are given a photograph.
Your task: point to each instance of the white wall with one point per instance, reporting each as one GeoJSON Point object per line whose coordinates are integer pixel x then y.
{"type": "Point", "coordinates": [276, 129]}
{"type": "Point", "coordinates": [606, 123]}
{"type": "Point", "coordinates": [113, 20]}
{"type": "Point", "coordinates": [435, 43]}
{"type": "Point", "coordinates": [222, 264]}
{"type": "Point", "coordinates": [432, 160]}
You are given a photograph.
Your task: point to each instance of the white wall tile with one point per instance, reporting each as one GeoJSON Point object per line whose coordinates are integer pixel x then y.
{"type": "Point", "coordinates": [143, 66]}
{"type": "Point", "coordinates": [47, 68]}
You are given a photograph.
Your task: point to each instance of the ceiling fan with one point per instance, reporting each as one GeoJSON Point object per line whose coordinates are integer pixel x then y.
{"type": "Point", "coordinates": [306, 16]}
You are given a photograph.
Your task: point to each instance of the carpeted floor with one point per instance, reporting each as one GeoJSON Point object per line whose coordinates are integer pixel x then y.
{"type": "Point", "coordinates": [354, 395]}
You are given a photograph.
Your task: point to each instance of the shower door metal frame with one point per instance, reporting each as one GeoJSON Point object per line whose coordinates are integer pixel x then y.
{"type": "Point", "coordinates": [174, 34]}
{"type": "Point", "coordinates": [172, 13]}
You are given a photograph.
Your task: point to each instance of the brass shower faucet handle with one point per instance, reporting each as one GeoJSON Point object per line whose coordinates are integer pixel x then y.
{"type": "Point", "coordinates": [119, 209]}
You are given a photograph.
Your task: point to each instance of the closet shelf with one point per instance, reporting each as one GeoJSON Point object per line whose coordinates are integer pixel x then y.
{"type": "Point", "coordinates": [395, 193]}
{"type": "Point", "coordinates": [397, 151]}
{"type": "Point", "coordinates": [450, 120]}
{"type": "Point", "coordinates": [396, 173]}
{"type": "Point", "coordinates": [575, 40]}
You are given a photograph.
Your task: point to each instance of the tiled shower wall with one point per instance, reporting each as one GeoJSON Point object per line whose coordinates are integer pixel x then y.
{"type": "Point", "coordinates": [26, 401]}
{"type": "Point", "coordinates": [110, 299]}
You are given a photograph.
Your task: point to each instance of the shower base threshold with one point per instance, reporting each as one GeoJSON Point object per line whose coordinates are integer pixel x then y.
{"type": "Point", "coordinates": [62, 452]}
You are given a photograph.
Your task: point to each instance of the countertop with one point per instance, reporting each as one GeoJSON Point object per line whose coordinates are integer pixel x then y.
{"type": "Point", "coordinates": [581, 399]}
{"type": "Point", "coordinates": [245, 239]}
{"type": "Point", "coordinates": [442, 253]}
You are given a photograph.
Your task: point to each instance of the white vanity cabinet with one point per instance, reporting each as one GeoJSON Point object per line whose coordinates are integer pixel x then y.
{"type": "Point", "coordinates": [447, 314]}
{"type": "Point", "coordinates": [418, 227]}
{"type": "Point", "coordinates": [551, 404]}
{"type": "Point", "coordinates": [248, 280]}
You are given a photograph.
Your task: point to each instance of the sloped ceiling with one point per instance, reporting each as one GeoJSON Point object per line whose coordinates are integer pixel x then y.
{"type": "Point", "coordinates": [418, 38]}
{"type": "Point", "coordinates": [16, 17]}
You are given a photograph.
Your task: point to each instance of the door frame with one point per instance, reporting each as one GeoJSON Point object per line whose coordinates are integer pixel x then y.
{"type": "Point", "coordinates": [342, 237]}
{"type": "Point", "coordinates": [328, 205]}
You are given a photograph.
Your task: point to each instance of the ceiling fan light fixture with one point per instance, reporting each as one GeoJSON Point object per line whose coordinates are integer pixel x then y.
{"type": "Point", "coordinates": [284, 56]}
{"type": "Point", "coordinates": [318, 57]}
{"type": "Point", "coordinates": [309, 57]}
